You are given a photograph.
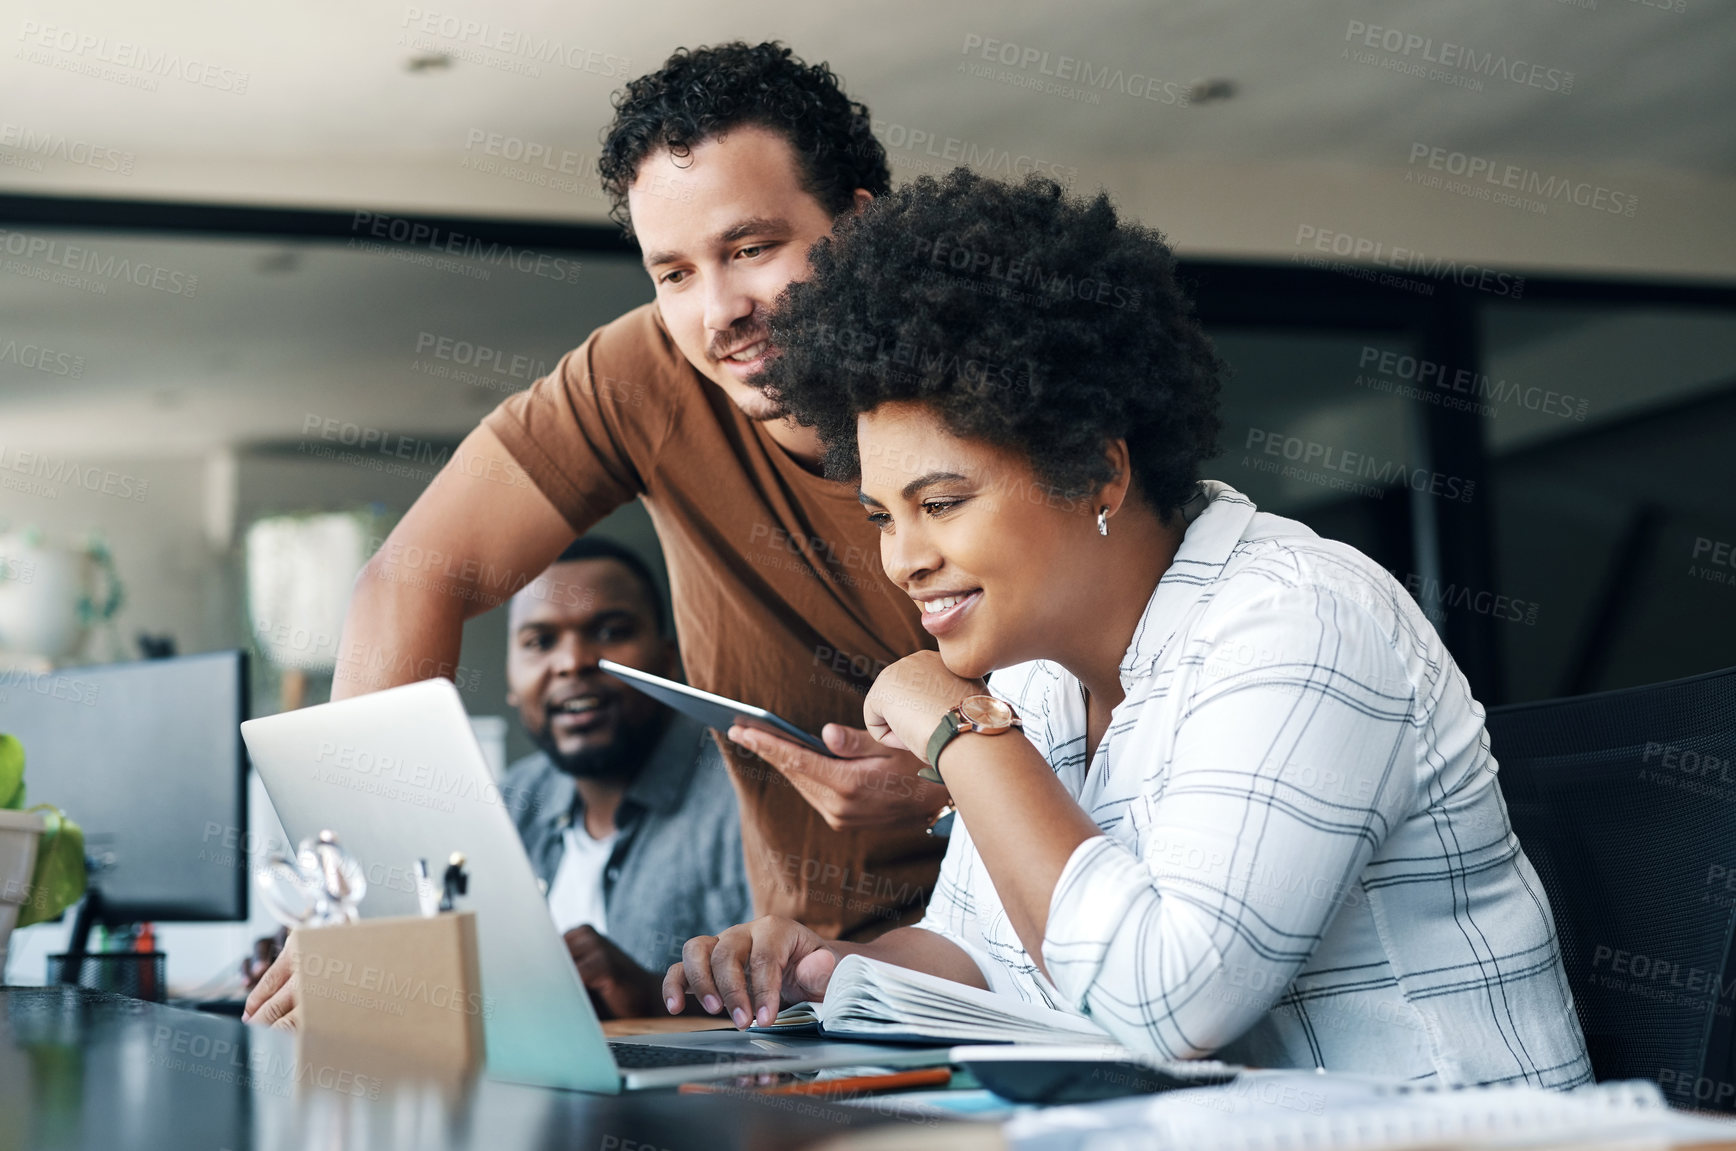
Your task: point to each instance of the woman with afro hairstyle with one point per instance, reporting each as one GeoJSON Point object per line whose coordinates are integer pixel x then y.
{"type": "Point", "coordinates": [1226, 792]}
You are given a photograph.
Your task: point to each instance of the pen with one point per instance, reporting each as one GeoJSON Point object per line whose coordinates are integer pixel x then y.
{"type": "Point", "coordinates": [427, 895]}
{"type": "Point", "coordinates": [856, 1084]}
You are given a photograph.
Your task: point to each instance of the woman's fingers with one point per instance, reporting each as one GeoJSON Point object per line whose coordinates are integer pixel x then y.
{"type": "Point", "coordinates": [742, 972]}
{"type": "Point", "coordinates": [675, 988]}
{"type": "Point", "coordinates": [729, 960]}
{"type": "Point", "coordinates": [277, 1010]}
{"type": "Point", "coordinates": [696, 967]}
{"type": "Point", "coordinates": [875, 723]}
{"type": "Point", "coordinates": [765, 969]}
{"type": "Point", "coordinates": [275, 981]}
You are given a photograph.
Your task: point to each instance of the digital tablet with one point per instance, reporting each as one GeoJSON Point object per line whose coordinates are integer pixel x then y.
{"type": "Point", "coordinates": [711, 710]}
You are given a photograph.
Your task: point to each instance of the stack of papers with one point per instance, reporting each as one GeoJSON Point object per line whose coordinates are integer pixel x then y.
{"type": "Point", "coordinates": [867, 999]}
{"type": "Point", "coordinates": [1305, 1111]}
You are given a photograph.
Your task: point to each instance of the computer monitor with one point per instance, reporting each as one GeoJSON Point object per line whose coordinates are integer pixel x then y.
{"type": "Point", "coordinates": [147, 758]}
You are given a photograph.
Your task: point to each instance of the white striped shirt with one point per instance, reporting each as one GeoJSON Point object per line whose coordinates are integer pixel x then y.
{"type": "Point", "coordinates": [1306, 861]}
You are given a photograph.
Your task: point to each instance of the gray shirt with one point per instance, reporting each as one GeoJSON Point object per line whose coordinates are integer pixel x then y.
{"type": "Point", "coordinates": [676, 870]}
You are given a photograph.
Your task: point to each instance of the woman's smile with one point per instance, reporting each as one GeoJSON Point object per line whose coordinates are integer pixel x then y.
{"type": "Point", "coordinates": [944, 612]}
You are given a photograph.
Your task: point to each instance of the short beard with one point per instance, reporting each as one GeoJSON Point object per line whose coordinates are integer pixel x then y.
{"type": "Point", "coordinates": [621, 760]}
{"type": "Point", "coordinates": [764, 411]}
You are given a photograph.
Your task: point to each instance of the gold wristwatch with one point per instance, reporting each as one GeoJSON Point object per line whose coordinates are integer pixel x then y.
{"type": "Point", "coordinates": [979, 713]}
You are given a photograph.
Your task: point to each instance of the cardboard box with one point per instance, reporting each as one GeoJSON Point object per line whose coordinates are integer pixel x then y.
{"type": "Point", "coordinates": [409, 985]}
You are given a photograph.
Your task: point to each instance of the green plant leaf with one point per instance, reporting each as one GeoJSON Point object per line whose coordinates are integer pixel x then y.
{"type": "Point", "coordinates": [59, 879]}
{"type": "Point", "coordinates": [11, 773]}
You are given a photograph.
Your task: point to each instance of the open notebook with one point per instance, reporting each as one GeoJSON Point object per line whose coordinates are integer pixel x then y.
{"type": "Point", "coordinates": [867, 999]}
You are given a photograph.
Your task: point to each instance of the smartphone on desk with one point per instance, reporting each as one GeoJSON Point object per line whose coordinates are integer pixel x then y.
{"type": "Point", "coordinates": [1070, 1073]}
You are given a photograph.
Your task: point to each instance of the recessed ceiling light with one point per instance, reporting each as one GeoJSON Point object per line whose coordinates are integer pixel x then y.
{"type": "Point", "coordinates": [1206, 91]}
{"type": "Point", "coordinates": [427, 62]}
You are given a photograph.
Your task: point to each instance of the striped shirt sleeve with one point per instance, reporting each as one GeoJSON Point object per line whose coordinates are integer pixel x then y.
{"type": "Point", "coordinates": [1284, 778]}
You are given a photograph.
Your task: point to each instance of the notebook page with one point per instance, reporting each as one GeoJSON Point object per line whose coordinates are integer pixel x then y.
{"type": "Point", "coordinates": [867, 997]}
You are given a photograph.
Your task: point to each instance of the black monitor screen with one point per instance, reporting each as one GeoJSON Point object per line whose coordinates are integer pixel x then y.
{"type": "Point", "coordinates": [147, 758]}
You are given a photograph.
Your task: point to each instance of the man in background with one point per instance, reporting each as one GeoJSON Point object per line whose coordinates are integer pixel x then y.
{"type": "Point", "coordinates": [625, 809]}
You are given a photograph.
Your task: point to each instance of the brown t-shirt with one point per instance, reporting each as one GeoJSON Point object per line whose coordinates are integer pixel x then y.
{"type": "Point", "coordinates": [779, 597]}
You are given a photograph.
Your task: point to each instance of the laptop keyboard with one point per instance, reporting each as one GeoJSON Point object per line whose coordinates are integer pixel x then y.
{"type": "Point", "coordinates": [646, 1056]}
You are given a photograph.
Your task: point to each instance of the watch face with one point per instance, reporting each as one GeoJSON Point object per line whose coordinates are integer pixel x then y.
{"type": "Point", "coordinates": [986, 712]}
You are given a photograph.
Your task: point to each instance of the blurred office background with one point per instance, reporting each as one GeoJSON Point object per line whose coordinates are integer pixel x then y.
{"type": "Point", "coordinates": [1484, 251]}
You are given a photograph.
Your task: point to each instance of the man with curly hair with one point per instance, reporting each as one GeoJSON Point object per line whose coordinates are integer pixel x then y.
{"type": "Point", "coordinates": [1226, 792]}
{"type": "Point", "coordinates": [726, 165]}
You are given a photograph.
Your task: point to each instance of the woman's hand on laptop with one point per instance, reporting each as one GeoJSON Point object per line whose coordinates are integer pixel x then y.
{"type": "Point", "coordinates": [751, 970]}
{"type": "Point", "coordinates": [272, 1002]}
{"type": "Point", "coordinates": [868, 784]}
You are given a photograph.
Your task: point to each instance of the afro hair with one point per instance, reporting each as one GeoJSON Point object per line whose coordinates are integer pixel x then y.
{"type": "Point", "coordinates": [1021, 316]}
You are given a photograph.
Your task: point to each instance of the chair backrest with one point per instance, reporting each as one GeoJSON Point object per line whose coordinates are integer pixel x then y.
{"type": "Point", "coordinates": [1625, 802]}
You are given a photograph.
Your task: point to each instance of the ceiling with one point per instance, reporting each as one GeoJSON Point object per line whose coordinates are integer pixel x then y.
{"type": "Point", "coordinates": [330, 113]}
{"type": "Point", "coordinates": [320, 103]}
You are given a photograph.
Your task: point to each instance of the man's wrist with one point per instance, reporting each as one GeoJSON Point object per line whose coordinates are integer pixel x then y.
{"type": "Point", "coordinates": [940, 823]}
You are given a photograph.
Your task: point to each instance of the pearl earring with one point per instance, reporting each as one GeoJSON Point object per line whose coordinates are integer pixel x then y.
{"type": "Point", "coordinates": [1103, 520]}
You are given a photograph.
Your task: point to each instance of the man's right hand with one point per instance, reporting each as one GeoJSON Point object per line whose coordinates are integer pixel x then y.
{"type": "Point", "coordinates": [272, 1002]}
{"type": "Point", "coordinates": [751, 969]}
{"type": "Point", "coordinates": [863, 783]}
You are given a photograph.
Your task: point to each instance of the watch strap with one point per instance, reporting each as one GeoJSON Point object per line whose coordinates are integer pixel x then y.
{"type": "Point", "coordinates": [944, 733]}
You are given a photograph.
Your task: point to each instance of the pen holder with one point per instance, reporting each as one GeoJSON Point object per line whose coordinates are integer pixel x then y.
{"type": "Point", "coordinates": [136, 974]}
{"type": "Point", "coordinates": [409, 985]}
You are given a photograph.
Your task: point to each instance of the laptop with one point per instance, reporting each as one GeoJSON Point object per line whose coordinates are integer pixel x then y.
{"type": "Point", "coordinates": [398, 775]}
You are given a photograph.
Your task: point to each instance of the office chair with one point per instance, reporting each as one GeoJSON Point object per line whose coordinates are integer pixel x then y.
{"type": "Point", "coordinates": [1625, 802]}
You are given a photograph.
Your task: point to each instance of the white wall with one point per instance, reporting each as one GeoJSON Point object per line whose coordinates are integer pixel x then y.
{"type": "Point", "coordinates": [178, 554]}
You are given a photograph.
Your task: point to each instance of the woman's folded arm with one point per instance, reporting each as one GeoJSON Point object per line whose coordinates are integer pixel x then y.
{"type": "Point", "coordinates": [1286, 774]}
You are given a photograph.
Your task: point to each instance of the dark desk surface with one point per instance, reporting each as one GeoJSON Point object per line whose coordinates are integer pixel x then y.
{"type": "Point", "coordinates": [90, 1070]}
